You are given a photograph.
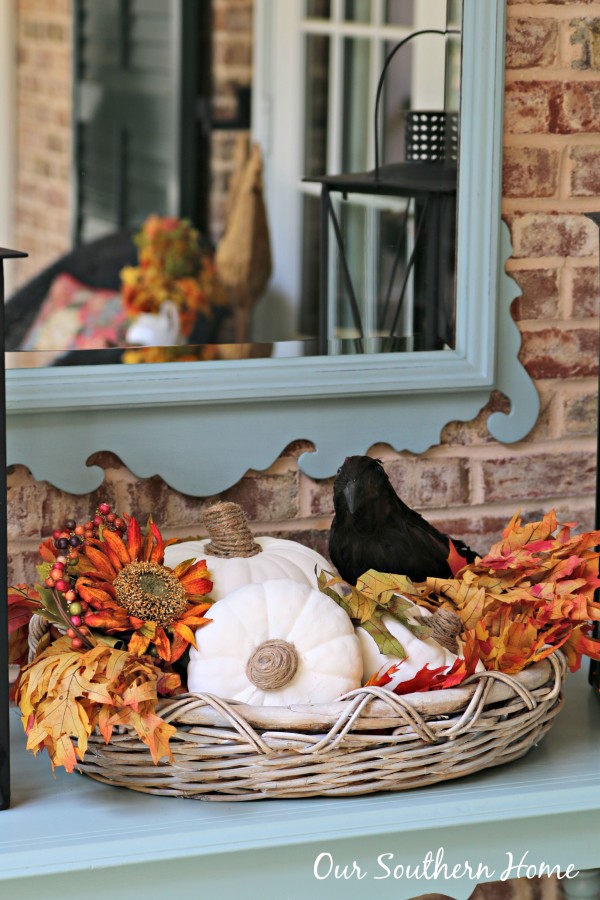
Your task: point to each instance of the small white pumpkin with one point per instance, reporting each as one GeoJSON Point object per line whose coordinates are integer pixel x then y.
{"type": "Point", "coordinates": [260, 558]}
{"type": "Point", "coordinates": [274, 644]}
{"type": "Point", "coordinates": [420, 652]}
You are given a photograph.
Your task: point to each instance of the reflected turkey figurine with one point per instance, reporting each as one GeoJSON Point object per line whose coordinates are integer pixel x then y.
{"type": "Point", "coordinates": [374, 529]}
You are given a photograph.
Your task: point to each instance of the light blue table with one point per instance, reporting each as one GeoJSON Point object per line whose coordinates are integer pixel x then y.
{"type": "Point", "coordinates": [72, 837]}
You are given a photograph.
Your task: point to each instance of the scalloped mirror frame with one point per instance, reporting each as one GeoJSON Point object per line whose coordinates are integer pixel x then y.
{"type": "Point", "coordinates": [201, 426]}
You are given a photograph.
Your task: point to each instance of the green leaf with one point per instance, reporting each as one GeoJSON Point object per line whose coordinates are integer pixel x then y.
{"type": "Point", "coordinates": [367, 613]}
{"type": "Point", "coordinates": [48, 600]}
{"type": "Point", "coordinates": [386, 642]}
{"type": "Point", "coordinates": [50, 617]}
{"type": "Point", "coordinates": [43, 570]}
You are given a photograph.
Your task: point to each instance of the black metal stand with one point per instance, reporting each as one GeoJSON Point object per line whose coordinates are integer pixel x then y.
{"type": "Point", "coordinates": [594, 676]}
{"type": "Point", "coordinates": [4, 701]}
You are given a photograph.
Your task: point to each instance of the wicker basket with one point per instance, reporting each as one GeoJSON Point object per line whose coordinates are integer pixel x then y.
{"type": "Point", "coordinates": [370, 741]}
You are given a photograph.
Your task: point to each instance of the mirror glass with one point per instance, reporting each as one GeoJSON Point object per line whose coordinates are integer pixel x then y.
{"type": "Point", "coordinates": [286, 263]}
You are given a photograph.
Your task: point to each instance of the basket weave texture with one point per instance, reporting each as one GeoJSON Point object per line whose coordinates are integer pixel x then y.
{"type": "Point", "coordinates": [371, 740]}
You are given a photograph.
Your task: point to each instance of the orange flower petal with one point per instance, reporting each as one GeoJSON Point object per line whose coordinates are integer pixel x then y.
{"type": "Point", "coordinates": [103, 569]}
{"type": "Point", "coordinates": [138, 644]}
{"type": "Point", "coordinates": [134, 539]}
{"type": "Point", "coordinates": [117, 549]}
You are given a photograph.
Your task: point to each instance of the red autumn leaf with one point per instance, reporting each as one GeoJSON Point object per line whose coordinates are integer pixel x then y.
{"type": "Point", "coordinates": [380, 679]}
{"type": "Point", "coordinates": [455, 560]}
{"type": "Point", "coordinates": [425, 680]}
{"type": "Point", "coordinates": [23, 602]}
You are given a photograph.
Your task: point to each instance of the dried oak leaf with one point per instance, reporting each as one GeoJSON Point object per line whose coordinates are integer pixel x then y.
{"type": "Point", "coordinates": [64, 694]}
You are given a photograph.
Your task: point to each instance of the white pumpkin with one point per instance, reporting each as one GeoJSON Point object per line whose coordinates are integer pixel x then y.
{"type": "Point", "coordinates": [274, 644]}
{"type": "Point", "coordinates": [419, 652]}
{"type": "Point", "coordinates": [277, 557]}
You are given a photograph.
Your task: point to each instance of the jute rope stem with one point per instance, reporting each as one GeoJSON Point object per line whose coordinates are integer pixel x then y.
{"type": "Point", "coordinates": [272, 665]}
{"type": "Point", "coordinates": [446, 627]}
{"type": "Point", "coordinates": [229, 532]}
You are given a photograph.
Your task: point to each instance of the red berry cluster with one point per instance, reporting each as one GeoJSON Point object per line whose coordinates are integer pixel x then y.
{"type": "Point", "coordinates": [62, 578]}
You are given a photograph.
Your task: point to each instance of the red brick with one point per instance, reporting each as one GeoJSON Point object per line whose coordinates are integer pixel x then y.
{"type": "Point", "coordinates": [581, 414]}
{"type": "Point", "coordinates": [420, 481]}
{"type": "Point", "coordinates": [36, 508]}
{"type": "Point", "coordinates": [560, 353]}
{"type": "Point", "coordinates": [479, 531]}
{"type": "Point", "coordinates": [552, 234]}
{"type": "Point", "coordinates": [267, 498]}
{"type": "Point", "coordinates": [424, 482]}
{"type": "Point", "coordinates": [313, 538]}
{"type": "Point", "coordinates": [21, 562]}
{"type": "Point", "coordinates": [585, 172]}
{"type": "Point", "coordinates": [531, 42]}
{"type": "Point", "coordinates": [540, 294]}
{"type": "Point", "coordinates": [534, 107]}
{"type": "Point", "coordinates": [530, 172]}
{"type": "Point", "coordinates": [580, 108]}
{"type": "Point", "coordinates": [475, 431]}
{"type": "Point", "coordinates": [585, 292]}
{"type": "Point", "coordinates": [549, 474]}
{"type": "Point", "coordinates": [584, 39]}
{"type": "Point", "coordinates": [530, 106]}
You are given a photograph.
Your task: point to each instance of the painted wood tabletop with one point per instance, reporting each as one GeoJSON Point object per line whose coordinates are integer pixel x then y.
{"type": "Point", "coordinates": [71, 836]}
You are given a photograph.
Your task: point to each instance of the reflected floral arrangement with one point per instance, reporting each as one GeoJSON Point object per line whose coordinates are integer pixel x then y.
{"type": "Point", "coordinates": [173, 267]}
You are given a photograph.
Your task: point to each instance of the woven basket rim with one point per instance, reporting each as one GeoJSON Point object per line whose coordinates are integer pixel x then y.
{"type": "Point", "coordinates": [368, 706]}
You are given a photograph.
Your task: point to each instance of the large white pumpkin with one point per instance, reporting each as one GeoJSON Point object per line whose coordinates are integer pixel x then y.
{"type": "Point", "coordinates": [278, 558]}
{"type": "Point", "coordinates": [275, 644]}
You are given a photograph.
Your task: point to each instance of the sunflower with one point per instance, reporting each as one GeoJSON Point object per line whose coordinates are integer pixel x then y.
{"type": "Point", "coordinates": [128, 589]}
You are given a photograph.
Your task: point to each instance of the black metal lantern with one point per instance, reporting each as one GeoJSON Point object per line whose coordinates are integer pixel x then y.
{"type": "Point", "coordinates": [4, 726]}
{"type": "Point", "coordinates": [427, 179]}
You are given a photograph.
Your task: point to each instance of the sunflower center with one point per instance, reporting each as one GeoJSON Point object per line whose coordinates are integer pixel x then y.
{"type": "Point", "coordinates": [150, 592]}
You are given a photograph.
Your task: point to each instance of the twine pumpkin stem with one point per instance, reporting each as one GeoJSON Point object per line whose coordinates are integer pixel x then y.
{"type": "Point", "coordinates": [272, 665]}
{"type": "Point", "coordinates": [446, 627]}
{"type": "Point", "coordinates": [229, 532]}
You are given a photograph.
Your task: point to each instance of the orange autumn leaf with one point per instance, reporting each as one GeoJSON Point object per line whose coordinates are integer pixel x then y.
{"type": "Point", "coordinates": [64, 694]}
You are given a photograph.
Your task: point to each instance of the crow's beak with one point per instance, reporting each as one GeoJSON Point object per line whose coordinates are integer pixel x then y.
{"type": "Point", "coordinates": [350, 495]}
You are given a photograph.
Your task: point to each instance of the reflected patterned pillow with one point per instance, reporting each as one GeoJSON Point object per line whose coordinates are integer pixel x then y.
{"type": "Point", "coordinates": [74, 316]}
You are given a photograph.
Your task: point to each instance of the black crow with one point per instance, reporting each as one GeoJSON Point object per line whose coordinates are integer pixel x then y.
{"type": "Point", "coordinates": [374, 529]}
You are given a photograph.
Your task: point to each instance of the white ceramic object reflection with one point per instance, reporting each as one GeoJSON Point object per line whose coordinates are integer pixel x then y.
{"type": "Point", "coordinates": [155, 329]}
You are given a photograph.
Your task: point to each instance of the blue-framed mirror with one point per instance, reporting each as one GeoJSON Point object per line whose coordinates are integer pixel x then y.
{"type": "Point", "coordinates": [201, 425]}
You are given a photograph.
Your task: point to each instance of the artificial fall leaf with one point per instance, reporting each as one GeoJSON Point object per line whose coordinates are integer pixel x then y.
{"type": "Point", "coordinates": [64, 694]}
{"type": "Point", "coordinates": [364, 612]}
{"type": "Point", "coordinates": [531, 594]}
{"type": "Point", "coordinates": [438, 678]}
{"type": "Point", "coordinates": [397, 593]}
{"type": "Point", "coordinates": [455, 560]}
{"type": "Point", "coordinates": [23, 602]}
{"type": "Point", "coordinates": [377, 594]}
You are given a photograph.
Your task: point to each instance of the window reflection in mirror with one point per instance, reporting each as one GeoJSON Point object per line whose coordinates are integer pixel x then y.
{"type": "Point", "coordinates": [133, 155]}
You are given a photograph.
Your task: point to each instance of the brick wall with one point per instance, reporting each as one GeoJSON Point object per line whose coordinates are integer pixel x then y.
{"type": "Point", "coordinates": [43, 86]}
